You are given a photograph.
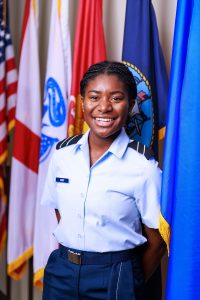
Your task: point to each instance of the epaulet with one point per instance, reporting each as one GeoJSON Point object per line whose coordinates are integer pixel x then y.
{"type": "Point", "coordinates": [68, 141]}
{"type": "Point", "coordinates": [147, 152]}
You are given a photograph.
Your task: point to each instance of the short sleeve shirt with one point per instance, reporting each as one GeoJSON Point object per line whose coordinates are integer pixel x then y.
{"type": "Point", "coordinates": [103, 207]}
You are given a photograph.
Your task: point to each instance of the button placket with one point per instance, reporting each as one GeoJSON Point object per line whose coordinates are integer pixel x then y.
{"type": "Point", "coordinates": [81, 211]}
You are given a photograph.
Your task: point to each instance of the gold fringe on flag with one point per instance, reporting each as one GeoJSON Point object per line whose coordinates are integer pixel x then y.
{"type": "Point", "coordinates": [38, 279]}
{"type": "Point", "coordinates": [161, 133]}
{"type": "Point", "coordinates": [17, 268]}
{"type": "Point", "coordinates": [164, 230]}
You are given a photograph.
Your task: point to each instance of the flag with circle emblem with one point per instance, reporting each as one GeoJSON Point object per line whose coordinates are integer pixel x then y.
{"type": "Point", "coordinates": [143, 56]}
{"type": "Point", "coordinates": [54, 127]}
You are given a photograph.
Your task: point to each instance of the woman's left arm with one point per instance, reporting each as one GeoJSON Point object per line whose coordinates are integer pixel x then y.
{"type": "Point", "coordinates": [152, 252]}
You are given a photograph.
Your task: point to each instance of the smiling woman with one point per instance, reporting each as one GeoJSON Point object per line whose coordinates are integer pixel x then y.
{"type": "Point", "coordinates": [105, 189]}
{"type": "Point", "coordinates": [105, 107]}
{"type": "Point", "coordinates": [108, 92]}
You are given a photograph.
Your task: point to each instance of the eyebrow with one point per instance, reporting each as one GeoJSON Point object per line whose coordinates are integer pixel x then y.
{"type": "Point", "coordinates": [113, 92]}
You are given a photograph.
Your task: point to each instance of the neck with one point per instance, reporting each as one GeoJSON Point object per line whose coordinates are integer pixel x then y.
{"type": "Point", "coordinates": [101, 143]}
{"type": "Point", "coordinates": [98, 146]}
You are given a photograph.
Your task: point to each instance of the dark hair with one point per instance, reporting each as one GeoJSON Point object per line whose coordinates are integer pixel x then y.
{"type": "Point", "coordinates": [110, 68]}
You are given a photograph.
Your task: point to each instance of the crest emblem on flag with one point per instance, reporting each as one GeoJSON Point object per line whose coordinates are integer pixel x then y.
{"type": "Point", "coordinates": [54, 115]}
{"type": "Point", "coordinates": [140, 123]}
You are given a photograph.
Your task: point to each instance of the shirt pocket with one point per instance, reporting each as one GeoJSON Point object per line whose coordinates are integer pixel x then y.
{"type": "Point", "coordinates": [63, 188]}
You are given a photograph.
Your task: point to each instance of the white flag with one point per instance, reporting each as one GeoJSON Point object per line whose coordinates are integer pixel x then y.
{"type": "Point", "coordinates": [54, 127]}
{"type": "Point", "coordinates": [26, 149]}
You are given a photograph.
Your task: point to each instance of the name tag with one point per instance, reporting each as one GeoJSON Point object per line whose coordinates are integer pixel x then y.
{"type": "Point", "coordinates": [60, 179]}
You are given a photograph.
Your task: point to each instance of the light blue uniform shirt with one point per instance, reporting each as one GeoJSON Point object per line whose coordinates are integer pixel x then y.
{"type": "Point", "coordinates": [102, 206]}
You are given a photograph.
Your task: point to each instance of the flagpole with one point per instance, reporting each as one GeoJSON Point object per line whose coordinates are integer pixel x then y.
{"type": "Point", "coordinates": [30, 279]}
{"type": "Point", "coordinates": [8, 279]}
{"type": "Point", "coordinates": [8, 285]}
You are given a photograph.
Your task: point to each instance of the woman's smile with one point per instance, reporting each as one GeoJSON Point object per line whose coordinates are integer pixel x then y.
{"type": "Point", "coordinates": [104, 122]}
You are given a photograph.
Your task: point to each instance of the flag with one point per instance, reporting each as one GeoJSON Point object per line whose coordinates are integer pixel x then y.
{"type": "Point", "coordinates": [143, 55]}
{"type": "Point", "coordinates": [54, 126]}
{"type": "Point", "coordinates": [26, 148]}
{"type": "Point", "coordinates": [180, 220]}
{"type": "Point", "coordinates": [8, 89]}
{"type": "Point", "coordinates": [89, 48]}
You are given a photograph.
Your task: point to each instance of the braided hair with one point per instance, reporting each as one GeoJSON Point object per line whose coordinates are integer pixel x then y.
{"type": "Point", "coordinates": [110, 68]}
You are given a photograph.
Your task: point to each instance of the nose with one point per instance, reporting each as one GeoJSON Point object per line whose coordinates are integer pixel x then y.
{"type": "Point", "coordinates": [104, 105]}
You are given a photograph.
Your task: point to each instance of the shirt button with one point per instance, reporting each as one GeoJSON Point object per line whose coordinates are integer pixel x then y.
{"type": "Point", "coordinates": [79, 216]}
{"type": "Point", "coordinates": [82, 195]}
{"type": "Point", "coordinates": [79, 236]}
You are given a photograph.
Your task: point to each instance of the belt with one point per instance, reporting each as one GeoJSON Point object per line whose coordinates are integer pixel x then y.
{"type": "Point", "coordinates": [95, 258]}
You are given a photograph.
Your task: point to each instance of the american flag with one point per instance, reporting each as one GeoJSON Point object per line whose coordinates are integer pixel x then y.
{"type": "Point", "coordinates": [8, 89]}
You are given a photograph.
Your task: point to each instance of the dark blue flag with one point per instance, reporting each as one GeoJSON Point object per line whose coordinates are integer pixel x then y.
{"type": "Point", "coordinates": [143, 55]}
{"type": "Point", "coordinates": [180, 220]}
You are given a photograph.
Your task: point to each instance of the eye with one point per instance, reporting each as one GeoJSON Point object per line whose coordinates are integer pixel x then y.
{"type": "Point", "coordinates": [93, 98]}
{"type": "Point", "coordinates": [116, 99]}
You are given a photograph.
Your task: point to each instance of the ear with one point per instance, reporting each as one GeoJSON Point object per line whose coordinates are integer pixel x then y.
{"type": "Point", "coordinates": [82, 98]}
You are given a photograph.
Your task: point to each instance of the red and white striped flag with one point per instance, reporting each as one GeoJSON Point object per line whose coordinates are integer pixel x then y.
{"type": "Point", "coordinates": [8, 89]}
{"type": "Point", "coordinates": [89, 48]}
{"type": "Point", "coordinates": [24, 172]}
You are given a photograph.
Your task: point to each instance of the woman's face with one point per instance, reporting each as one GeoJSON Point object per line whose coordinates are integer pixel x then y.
{"type": "Point", "coordinates": [105, 105]}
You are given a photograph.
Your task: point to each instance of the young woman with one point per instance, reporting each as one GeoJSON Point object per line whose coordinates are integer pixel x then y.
{"type": "Point", "coordinates": [105, 189]}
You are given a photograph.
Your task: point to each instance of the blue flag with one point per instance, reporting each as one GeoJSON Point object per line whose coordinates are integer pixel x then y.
{"type": "Point", "coordinates": [180, 220]}
{"type": "Point", "coordinates": [143, 55]}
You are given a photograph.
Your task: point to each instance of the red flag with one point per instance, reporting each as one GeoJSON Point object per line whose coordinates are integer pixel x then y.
{"type": "Point", "coordinates": [89, 48]}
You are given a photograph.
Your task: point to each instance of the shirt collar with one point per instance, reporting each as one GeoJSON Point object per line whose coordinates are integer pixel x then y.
{"type": "Point", "coordinates": [118, 147]}
{"type": "Point", "coordinates": [84, 140]}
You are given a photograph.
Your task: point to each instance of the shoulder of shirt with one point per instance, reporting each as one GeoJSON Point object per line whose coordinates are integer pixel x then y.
{"type": "Point", "coordinates": [137, 146]}
{"type": "Point", "coordinates": [68, 141]}
{"type": "Point", "coordinates": [142, 149]}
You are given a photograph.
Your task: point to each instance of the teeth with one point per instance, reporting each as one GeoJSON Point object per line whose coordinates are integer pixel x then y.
{"type": "Point", "coordinates": [104, 119]}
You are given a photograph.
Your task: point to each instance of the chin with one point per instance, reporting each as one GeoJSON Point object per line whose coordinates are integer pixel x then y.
{"type": "Point", "coordinates": [107, 135]}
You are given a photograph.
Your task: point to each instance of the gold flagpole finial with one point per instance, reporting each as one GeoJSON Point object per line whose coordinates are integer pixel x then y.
{"type": "Point", "coordinates": [59, 7]}
{"type": "Point", "coordinates": [34, 6]}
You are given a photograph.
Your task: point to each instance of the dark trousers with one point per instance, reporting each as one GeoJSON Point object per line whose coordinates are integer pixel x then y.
{"type": "Point", "coordinates": [65, 280]}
